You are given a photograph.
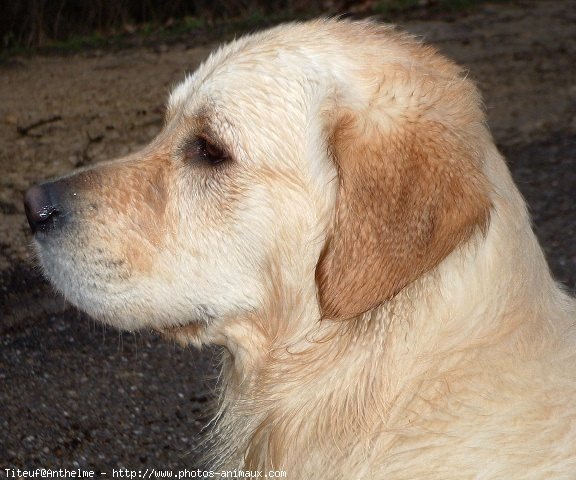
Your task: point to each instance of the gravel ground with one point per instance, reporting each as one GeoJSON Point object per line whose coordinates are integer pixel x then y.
{"type": "Point", "coordinates": [74, 394]}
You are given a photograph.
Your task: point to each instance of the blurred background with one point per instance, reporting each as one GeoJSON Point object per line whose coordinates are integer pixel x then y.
{"type": "Point", "coordinates": [42, 23]}
{"type": "Point", "coordinates": [85, 81]}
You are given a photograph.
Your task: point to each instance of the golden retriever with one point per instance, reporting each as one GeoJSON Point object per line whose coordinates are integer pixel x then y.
{"type": "Point", "coordinates": [326, 202]}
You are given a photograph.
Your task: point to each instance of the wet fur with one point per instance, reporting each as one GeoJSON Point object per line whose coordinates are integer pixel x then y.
{"type": "Point", "coordinates": [366, 261]}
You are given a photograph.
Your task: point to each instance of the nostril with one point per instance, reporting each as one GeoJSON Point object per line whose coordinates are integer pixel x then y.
{"type": "Point", "coordinates": [40, 209]}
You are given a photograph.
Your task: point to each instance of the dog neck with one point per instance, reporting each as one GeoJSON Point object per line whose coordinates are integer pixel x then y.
{"type": "Point", "coordinates": [294, 385]}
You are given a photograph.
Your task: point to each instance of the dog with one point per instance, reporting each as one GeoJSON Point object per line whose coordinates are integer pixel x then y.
{"type": "Point", "coordinates": [325, 201]}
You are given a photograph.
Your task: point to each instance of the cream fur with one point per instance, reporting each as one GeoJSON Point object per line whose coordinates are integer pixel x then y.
{"type": "Point", "coordinates": [466, 372]}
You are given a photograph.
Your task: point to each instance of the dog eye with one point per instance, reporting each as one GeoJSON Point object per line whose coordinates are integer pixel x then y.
{"type": "Point", "coordinates": [205, 151]}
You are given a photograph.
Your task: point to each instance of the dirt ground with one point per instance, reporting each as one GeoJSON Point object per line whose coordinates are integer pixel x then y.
{"type": "Point", "coordinates": [74, 394]}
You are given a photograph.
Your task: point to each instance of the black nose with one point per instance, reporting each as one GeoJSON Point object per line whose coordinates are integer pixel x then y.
{"type": "Point", "coordinates": [42, 210]}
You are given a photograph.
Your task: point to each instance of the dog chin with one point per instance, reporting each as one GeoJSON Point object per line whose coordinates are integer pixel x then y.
{"type": "Point", "coordinates": [113, 303]}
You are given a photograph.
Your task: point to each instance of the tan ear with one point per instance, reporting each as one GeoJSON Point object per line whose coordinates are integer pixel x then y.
{"type": "Point", "coordinates": [408, 195]}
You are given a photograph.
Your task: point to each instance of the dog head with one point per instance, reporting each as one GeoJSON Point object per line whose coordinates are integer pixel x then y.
{"type": "Point", "coordinates": [335, 160]}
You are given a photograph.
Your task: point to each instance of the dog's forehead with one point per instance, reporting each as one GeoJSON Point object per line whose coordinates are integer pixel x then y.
{"type": "Point", "coordinates": [272, 70]}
